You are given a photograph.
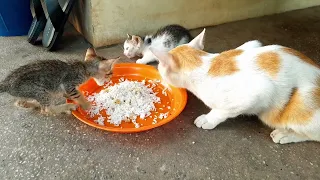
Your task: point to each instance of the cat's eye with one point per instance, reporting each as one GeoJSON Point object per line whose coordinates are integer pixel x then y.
{"type": "Point", "coordinates": [127, 48]}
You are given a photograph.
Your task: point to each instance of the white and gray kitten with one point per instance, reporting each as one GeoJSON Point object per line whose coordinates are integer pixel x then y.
{"type": "Point", "coordinates": [165, 39]}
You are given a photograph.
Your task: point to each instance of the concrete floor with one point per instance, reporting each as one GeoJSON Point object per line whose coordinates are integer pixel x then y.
{"type": "Point", "coordinates": [37, 147]}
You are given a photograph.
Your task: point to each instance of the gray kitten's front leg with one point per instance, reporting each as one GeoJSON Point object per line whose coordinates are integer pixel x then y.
{"type": "Point", "coordinates": [58, 109]}
{"type": "Point", "coordinates": [77, 96]}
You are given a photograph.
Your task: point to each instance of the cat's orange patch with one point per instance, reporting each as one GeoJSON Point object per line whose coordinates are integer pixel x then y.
{"type": "Point", "coordinates": [225, 63]}
{"type": "Point", "coordinates": [269, 62]}
{"type": "Point", "coordinates": [187, 58]}
{"type": "Point", "coordinates": [294, 112]}
{"type": "Point", "coordinates": [301, 56]}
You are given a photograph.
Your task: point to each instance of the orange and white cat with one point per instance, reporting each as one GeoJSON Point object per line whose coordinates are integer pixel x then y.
{"type": "Point", "coordinates": [278, 84]}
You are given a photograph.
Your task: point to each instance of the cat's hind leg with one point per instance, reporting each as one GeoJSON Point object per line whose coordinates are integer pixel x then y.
{"type": "Point", "coordinates": [27, 103]}
{"type": "Point", "coordinates": [46, 100]}
{"type": "Point", "coordinates": [312, 128]}
{"type": "Point", "coordinates": [285, 136]}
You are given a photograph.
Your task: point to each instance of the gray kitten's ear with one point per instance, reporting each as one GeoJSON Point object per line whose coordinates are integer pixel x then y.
{"type": "Point", "coordinates": [112, 59]}
{"type": "Point", "coordinates": [118, 58]}
{"type": "Point", "coordinates": [90, 54]}
{"type": "Point", "coordinates": [108, 64]}
{"type": "Point", "coordinates": [129, 36]}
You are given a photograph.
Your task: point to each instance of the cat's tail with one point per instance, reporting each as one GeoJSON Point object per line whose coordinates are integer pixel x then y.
{"type": "Point", "coordinates": [3, 87]}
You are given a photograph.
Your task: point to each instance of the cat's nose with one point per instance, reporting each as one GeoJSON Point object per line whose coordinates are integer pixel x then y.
{"type": "Point", "coordinates": [128, 55]}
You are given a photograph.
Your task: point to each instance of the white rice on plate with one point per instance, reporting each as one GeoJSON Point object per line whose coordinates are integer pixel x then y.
{"type": "Point", "coordinates": [125, 101]}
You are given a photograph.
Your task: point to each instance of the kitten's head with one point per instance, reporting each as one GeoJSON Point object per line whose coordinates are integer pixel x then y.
{"type": "Point", "coordinates": [175, 64]}
{"type": "Point", "coordinates": [98, 67]}
{"type": "Point", "coordinates": [133, 45]}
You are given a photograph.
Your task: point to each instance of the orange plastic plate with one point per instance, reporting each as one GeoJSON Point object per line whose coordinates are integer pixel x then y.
{"type": "Point", "coordinates": [174, 102]}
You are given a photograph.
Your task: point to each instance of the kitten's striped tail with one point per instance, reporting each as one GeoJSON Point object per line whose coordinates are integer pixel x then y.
{"type": "Point", "coordinates": [3, 87]}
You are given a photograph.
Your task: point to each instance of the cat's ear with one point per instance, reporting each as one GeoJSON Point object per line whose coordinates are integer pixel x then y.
{"type": "Point", "coordinates": [164, 57]}
{"type": "Point", "coordinates": [107, 65]}
{"type": "Point", "coordinates": [118, 58]}
{"type": "Point", "coordinates": [129, 37]}
{"type": "Point", "coordinates": [198, 42]}
{"type": "Point", "coordinates": [90, 54]}
{"type": "Point", "coordinates": [136, 40]}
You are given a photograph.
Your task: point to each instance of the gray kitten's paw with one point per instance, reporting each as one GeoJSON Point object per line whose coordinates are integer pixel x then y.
{"type": "Point", "coordinates": [86, 105]}
{"type": "Point", "coordinates": [72, 107]}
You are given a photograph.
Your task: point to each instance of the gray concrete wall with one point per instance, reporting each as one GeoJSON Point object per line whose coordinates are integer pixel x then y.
{"type": "Point", "coordinates": [106, 22]}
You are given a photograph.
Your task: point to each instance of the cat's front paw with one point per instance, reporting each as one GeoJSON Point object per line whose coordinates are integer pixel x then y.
{"type": "Point", "coordinates": [86, 105]}
{"type": "Point", "coordinates": [202, 122]}
{"type": "Point", "coordinates": [70, 108]}
{"type": "Point", "coordinates": [140, 61]}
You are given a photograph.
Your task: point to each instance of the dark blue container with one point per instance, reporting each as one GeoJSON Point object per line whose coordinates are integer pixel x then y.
{"type": "Point", "coordinates": [15, 17]}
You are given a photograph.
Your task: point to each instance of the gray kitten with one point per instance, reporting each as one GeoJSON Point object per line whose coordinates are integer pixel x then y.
{"type": "Point", "coordinates": [37, 84]}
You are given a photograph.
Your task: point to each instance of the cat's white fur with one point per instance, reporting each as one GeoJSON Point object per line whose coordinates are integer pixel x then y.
{"type": "Point", "coordinates": [132, 48]}
{"type": "Point", "coordinates": [248, 91]}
